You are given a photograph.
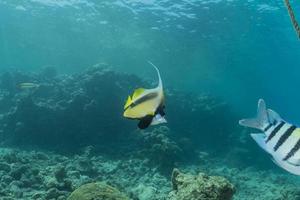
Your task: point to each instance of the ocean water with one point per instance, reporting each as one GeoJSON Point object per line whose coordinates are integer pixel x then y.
{"type": "Point", "coordinates": [216, 58]}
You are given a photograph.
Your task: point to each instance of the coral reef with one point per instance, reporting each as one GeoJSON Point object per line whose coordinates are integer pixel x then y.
{"type": "Point", "coordinates": [37, 175]}
{"type": "Point", "coordinates": [159, 147]}
{"type": "Point", "coordinates": [251, 182]}
{"type": "Point", "coordinates": [40, 175]}
{"type": "Point", "coordinates": [99, 191]}
{"type": "Point", "coordinates": [69, 112]}
{"type": "Point", "coordinates": [200, 187]}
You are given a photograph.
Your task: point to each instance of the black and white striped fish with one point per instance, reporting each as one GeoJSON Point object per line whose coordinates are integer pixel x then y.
{"type": "Point", "coordinates": [279, 138]}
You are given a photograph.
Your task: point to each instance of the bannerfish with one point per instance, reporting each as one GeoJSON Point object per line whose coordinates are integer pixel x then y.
{"type": "Point", "coordinates": [26, 86]}
{"type": "Point", "coordinates": [279, 138]}
{"type": "Point", "coordinates": [146, 105]}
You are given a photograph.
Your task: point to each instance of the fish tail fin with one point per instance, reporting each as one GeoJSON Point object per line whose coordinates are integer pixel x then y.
{"type": "Point", "coordinates": [158, 73]}
{"type": "Point", "coordinates": [294, 169]}
{"type": "Point", "coordinates": [262, 119]}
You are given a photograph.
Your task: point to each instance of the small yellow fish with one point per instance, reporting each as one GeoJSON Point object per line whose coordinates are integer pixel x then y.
{"type": "Point", "coordinates": [26, 86]}
{"type": "Point", "coordinates": [146, 105]}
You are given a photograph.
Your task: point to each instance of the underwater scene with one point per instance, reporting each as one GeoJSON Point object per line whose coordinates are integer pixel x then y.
{"type": "Point", "coordinates": [149, 100]}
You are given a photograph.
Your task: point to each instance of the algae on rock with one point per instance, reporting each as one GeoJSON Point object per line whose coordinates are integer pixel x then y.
{"type": "Point", "coordinates": [97, 191]}
{"type": "Point", "coordinates": [200, 187]}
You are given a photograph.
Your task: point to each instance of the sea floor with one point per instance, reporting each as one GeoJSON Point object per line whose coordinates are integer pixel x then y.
{"type": "Point", "coordinates": [40, 175]}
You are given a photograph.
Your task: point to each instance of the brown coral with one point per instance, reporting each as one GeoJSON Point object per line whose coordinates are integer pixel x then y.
{"type": "Point", "coordinates": [200, 187]}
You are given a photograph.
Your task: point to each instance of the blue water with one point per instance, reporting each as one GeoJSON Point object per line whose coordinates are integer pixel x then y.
{"type": "Point", "coordinates": [236, 51]}
{"type": "Point", "coordinates": [222, 47]}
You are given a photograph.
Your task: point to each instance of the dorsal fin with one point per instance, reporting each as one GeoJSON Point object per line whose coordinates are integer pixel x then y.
{"type": "Point", "coordinates": [158, 74]}
{"type": "Point", "coordinates": [128, 102]}
{"type": "Point", "coordinates": [137, 93]}
{"type": "Point", "coordinates": [273, 116]}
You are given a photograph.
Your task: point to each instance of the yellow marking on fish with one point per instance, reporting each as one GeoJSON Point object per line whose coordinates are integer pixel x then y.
{"type": "Point", "coordinates": [142, 109]}
{"type": "Point", "coordinates": [137, 93]}
{"type": "Point", "coordinates": [296, 132]}
{"type": "Point", "coordinates": [128, 102]}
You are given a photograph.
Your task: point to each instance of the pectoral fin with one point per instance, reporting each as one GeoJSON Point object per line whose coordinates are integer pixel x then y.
{"type": "Point", "coordinates": [158, 119]}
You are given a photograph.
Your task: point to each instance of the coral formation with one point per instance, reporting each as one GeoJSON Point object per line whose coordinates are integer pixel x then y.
{"type": "Point", "coordinates": [159, 147]}
{"type": "Point", "coordinates": [99, 191]}
{"type": "Point", "coordinates": [34, 175]}
{"type": "Point", "coordinates": [200, 187]}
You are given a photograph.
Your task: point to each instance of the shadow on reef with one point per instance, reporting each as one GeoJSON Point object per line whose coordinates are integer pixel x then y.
{"type": "Point", "coordinates": [68, 112]}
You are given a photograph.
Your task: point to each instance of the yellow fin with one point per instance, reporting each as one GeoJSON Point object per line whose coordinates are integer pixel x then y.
{"type": "Point", "coordinates": [128, 102]}
{"type": "Point", "coordinates": [138, 92]}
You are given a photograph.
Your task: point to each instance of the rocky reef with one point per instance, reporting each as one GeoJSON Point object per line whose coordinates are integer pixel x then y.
{"type": "Point", "coordinates": [43, 175]}
{"type": "Point", "coordinates": [33, 175]}
{"type": "Point", "coordinates": [200, 187]}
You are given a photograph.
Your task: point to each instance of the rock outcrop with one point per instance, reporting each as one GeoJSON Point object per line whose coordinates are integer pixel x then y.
{"type": "Point", "coordinates": [200, 187]}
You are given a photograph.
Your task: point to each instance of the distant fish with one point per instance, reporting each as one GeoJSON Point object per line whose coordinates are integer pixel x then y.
{"type": "Point", "coordinates": [26, 86]}
{"type": "Point", "coordinates": [146, 105]}
{"type": "Point", "coordinates": [279, 138]}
